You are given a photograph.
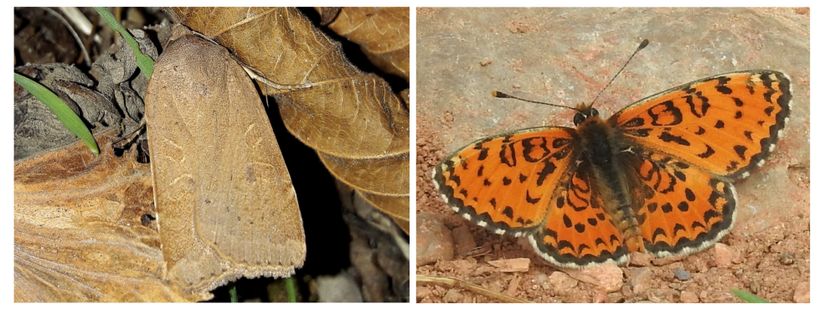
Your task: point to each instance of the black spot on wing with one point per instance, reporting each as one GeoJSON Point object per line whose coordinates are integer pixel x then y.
{"type": "Point", "coordinates": [721, 86]}
{"type": "Point", "coordinates": [708, 152]}
{"type": "Point", "coordinates": [535, 145]}
{"type": "Point", "coordinates": [549, 168]}
{"type": "Point", "coordinates": [634, 122]}
{"type": "Point", "coordinates": [508, 211]}
{"type": "Point", "coordinates": [670, 138]}
{"type": "Point", "coordinates": [566, 220]}
{"type": "Point", "coordinates": [530, 199]}
{"type": "Point", "coordinates": [507, 155]}
{"type": "Point", "coordinates": [690, 195]}
{"type": "Point", "coordinates": [738, 102]}
{"type": "Point", "coordinates": [740, 151]}
{"type": "Point", "coordinates": [667, 112]}
{"type": "Point", "coordinates": [483, 153]}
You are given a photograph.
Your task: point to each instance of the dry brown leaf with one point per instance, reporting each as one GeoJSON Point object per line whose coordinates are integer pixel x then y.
{"type": "Point", "coordinates": [83, 229]}
{"type": "Point", "coordinates": [344, 112]}
{"type": "Point", "coordinates": [397, 207]}
{"type": "Point", "coordinates": [382, 33]}
{"type": "Point", "coordinates": [225, 200]}
{"type": "Point", "coordinates": [384, 176]}
{"type": "Point", "coordinates": [325, 101]}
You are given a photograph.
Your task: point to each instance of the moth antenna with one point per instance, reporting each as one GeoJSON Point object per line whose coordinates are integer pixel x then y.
{"type": "Point", "coordinates": [499, 94]}
{"type": "Point", "coordinates": [642, 45]}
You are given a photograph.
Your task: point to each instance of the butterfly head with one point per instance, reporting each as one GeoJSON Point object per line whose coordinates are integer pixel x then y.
{"type": "Point", "coordinates": [584, 112]}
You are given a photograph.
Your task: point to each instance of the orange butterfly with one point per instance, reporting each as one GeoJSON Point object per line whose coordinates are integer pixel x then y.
{"type": "Point", "coordinates": [656, 176]}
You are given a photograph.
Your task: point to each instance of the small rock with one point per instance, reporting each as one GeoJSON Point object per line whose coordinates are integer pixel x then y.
{"type": "Point", "coordinates": [606, 276]}
{"type": "Point", "coordinates": [696, 264]}
{"type": "Point", "coordinates": [662, 295]}
{"type": "Point", "coordinates": [666, 260]}
{"type": "Point", "coordinates": [599, 296]}
{"type": "Point", "coordinates": [463, 239]}
{"type": "Point", "coordinates": [512, 265]}
{"type": "Point", "coordinates": [485, 62]}
{"type": "Point", "coordinates": [640, 259]}
{"type": "Point", "coordinates": [688, 297]}
{"type": "Point", "coordinates": [802, 293]}
{"type": "Point", "coordinates": [434, 241]}
{"type": "Point", "coordinates": [627, 291]}
{"type": "Point", "coordinates": [681, 274]}
{"type": "Point", "coordinates": [615, 297]}
{"type": "Point", "coordinates": [722, 255]}
{"type": "Point", "coordinates": [422, 292]}
{"type": "Point", "coordinates": [540, 280]}
{"type": "Point", "coordinates": [786, 259]}
{"type": "Point", "coordinates": [640, 279]}
{"type": "Point", "coordinates": [453, 296]}
{"type": "Point", "coordinates": [561, 282]}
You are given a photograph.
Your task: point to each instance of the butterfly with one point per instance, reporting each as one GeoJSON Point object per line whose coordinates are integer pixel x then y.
{"type": "Point", "coordinates": [655, 177]}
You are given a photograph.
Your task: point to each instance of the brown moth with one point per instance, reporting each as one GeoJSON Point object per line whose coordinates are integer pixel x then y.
{"type": "Point", "coordinates": [225, 201]}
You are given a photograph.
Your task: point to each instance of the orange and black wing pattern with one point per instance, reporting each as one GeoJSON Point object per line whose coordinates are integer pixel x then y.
{"type": "Point", "coordinates": [578, 230]}
{"type": "Point", "coordinates": [684, 209]}
{"type": "Point", "coordinates": [505, 183]}
{"type": "Point", "coordinates": [724, 124]}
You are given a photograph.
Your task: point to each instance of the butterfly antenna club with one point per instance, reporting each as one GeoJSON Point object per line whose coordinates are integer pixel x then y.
{"type": "Point", "coordinates": [499, 94]}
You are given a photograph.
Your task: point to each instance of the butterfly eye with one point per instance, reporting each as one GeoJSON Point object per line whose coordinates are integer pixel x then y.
{"type": "Point", "coordinates": [578, 118]}
{"type": "Point", "coordinates": [593, 113]}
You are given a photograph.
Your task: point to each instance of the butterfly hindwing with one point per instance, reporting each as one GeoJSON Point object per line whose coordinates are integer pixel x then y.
{"type": "Point", "coordinates": [505, 182]}
{"type": "Point", "coordinates": [684, 209]}
{"type": "Point", "coordinates": [724, 124]}
{"type": "Point", "coordinates": [578, 231]}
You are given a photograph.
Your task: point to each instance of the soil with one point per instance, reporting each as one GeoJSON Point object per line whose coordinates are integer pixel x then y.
{"type": "Point", "coordinates": [566, 56]}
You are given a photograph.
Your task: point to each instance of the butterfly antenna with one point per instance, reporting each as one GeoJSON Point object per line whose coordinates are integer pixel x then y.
{"type": "Point", "coordinates": [642, 45]}
{"type": "Point", "coordinates": [499, 94]}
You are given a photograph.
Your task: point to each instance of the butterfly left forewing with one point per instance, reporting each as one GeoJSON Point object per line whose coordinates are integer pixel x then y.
{"type": "Point", "coordinates": [505, 182]}
{"type": "Point", "coordinates": [724, 124]}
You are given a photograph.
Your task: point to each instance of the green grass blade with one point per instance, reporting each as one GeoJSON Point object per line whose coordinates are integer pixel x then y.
{"type": "Point", "coordinates": [60, 109]}
{"type": "Point", "coordinates": [291, 289]}
{"type": "Point", "coordinates": [233, 294]}
{"type": "Point", "coordinates": [747, 296]}
{"type": "Point", "coordinates": [144, 62]}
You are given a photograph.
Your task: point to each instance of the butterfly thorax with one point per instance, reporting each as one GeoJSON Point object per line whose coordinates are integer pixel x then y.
{"type": "Point", "coordinates": [601, 148]}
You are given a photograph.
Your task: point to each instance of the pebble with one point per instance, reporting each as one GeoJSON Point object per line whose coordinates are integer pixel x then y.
{"type": "Point", "coordinates": [802, 293]}
{"type": "Point", "coordinates": [640, 259]}
{"type": "Point", "coordinates": [640, 279]}
{"type": "Point", "coordinates": [688, 297]}
{"type": "Point", "coordinates": [606, 276]}
{"type": "Point", "coordinates": [561, 282]}
{"type": "Point", "coordinates": [722, 255]}
{"type": "Point", "coordinates": [786, 259]}
{"type": "Point", "coordinates": [681, 274]}
{"type": "Point", "coordinates": [453, 296]}
{"type": "Point", "coordinates": [463, 239]}
{"type": "Point", "coordinates": [434, 241]}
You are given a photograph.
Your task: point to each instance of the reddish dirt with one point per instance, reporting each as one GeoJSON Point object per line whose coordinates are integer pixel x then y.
{"type": "Point", "coordinates": [564, 55]}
